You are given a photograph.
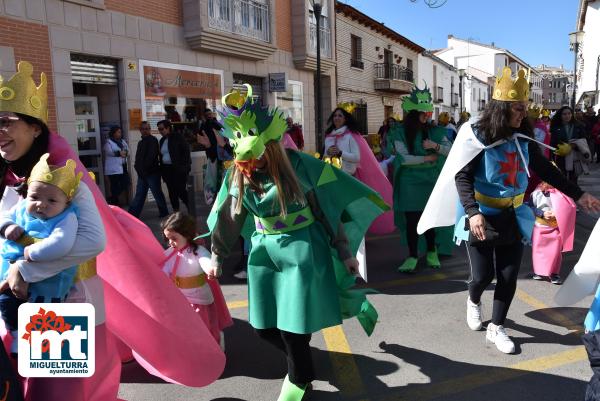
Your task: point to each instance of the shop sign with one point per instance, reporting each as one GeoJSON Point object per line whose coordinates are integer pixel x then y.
{"type": "Point", "coordinates": [135, 118]}
{"type": "Point", "coordinates": [277, 82]}
{"type": "Point", "coordinates": [174, 82]}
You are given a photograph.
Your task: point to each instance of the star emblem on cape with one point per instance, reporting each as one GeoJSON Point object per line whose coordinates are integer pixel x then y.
{"type": "Point", "coordinates": [511, 167]}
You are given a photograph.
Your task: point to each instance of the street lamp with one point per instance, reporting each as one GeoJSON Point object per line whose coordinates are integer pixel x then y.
{"type": "Point", "coordinates": [461, 74]}
{"type": "Point", "coordinates": [317, 8]}
{"type": "Point", "coordinates": [575, 38]}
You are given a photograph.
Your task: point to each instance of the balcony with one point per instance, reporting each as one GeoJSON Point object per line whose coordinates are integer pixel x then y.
{"type": "Point", "coordinates": [393, 78]}
{"type": "Point", "coordinates": [240, 28]}
{"type": "Point", "coordinates": [357, 64]}
{"type": "Point", "coordinates": [481, 105]}
{"type": "Point", "coordinates": [325, 40]}
{"type": "Point", "coordinates": [455, 100]}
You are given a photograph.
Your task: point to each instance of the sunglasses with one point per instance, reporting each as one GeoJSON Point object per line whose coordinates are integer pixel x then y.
{"type": "Point", "coordinates": [7, 122]}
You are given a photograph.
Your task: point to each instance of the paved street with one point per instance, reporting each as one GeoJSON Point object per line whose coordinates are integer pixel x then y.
{"type": "Point", "coordinates": [421, 348]}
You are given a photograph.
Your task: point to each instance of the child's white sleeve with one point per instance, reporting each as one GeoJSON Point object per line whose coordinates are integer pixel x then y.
{"type": "Point", "coordinates": [204, 258]}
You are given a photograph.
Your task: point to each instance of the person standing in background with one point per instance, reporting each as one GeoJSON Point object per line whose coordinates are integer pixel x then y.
{"type": "Point", "coordinates": [295, 132]}
{"type": "Point", "coordinates": [175, 163]}
{"type": "Point", "coordinates": [147, 168]}
{"type": "Point", "coordinates": [116, 152]}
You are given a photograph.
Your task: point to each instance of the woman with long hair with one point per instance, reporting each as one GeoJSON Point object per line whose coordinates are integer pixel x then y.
{"type": "Point", "coordinates": [420, 150]}
{"type": "Point", "coordinates": [116, 152]}
{"type": "Point", "coordinates": [343, 141]}
{"type": "Point", "coordinates": [568, 135]}
{"type": "Point", "coordinates": [111, 265]}
{"type": "Point", "coordinates": [290, 205]}
{"type": "Point", "coordinates": [487, 170]}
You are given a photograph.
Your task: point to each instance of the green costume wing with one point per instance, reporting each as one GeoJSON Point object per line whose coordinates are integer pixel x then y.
{"type": "Point", "coordinates": [345, 200]}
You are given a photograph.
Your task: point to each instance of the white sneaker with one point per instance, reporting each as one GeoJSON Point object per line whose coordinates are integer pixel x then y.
{"type": "Point", "coordinates": [241, 275]}
{"type": "Point", "coordinates": [474, 315]}
{"type": "Point", "coordinates": [497, 335]}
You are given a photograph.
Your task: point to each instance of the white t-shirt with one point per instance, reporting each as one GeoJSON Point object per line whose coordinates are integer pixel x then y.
{"type": "Point", "coordinates": [190, 265]}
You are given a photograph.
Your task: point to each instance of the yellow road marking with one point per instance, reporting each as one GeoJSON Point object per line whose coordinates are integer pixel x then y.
{"type": "Point", "coordinates": [559, 318]}
{"type": "Point", "coordinates": [489, 376]}
{"type": "Point", "coordinates": [342, 360]}
{"type": "Point", "coordinates": [237, 304]}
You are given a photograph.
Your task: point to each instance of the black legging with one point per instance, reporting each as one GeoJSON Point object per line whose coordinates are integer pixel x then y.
{"type": "Point", "coordinates": [296, 348]}
{"type": "Point", "coordinates": [508, 261]}
{"type": "Point", "coordinates": [412, 238]}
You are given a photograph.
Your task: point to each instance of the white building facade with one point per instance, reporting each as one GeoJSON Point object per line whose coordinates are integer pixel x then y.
{"type": "Point", "coordinates": [588, 60]}
{"type": "Point", "coordinates": [443, 81]}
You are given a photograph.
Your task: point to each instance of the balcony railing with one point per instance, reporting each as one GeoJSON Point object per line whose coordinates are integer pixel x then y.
{"type": "Point", "coordinates": [393, 71]}
{"type": "Point", "coordinates": [481, 105]}
{"type": "Point", "coordinates": [455, 99]}
{"type": "Point", "coordinates": [244, 17]}
{"type": "Point", "coordinates": [357, 64]}
{"type": "Point", "coordinates": [325, 39]}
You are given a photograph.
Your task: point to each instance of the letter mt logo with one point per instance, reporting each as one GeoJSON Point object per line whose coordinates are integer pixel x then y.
{"type": "Point", "coordinates": [56, 340]}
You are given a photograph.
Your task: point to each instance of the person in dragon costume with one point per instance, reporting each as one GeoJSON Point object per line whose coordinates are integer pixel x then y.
{"type": "Point", "coordinates": [420, 151]}
{"type": "Point", "coordinates": [305, 219]}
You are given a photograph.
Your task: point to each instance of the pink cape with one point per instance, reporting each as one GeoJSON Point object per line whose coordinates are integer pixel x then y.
{"type": "Point", "coordinates": [143, 309]}
{"type": "Point", "coordinates": [550, 242]}
{"type": "Point", "coordinates": [369, 172]}
{"type": "Point", "coordinates": [288, 142]}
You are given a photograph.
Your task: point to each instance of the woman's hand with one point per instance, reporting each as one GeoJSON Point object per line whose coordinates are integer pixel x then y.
{"type": "Point", "coordinates": [431, 158]}
{"type": "Point", "coordinates": [477, 226]}
{"type": "Point", "coordinates": [351, 265]}
{"type": "Point", "coordinates": [429, 144]}
{"type": "Point", "coordinates": [13, 232]}
{"type": "Point", "coordinates": [549, 215]}
{"type": "Point", "coordinates": [588, 202]}
{"type": "Point", "coordinates": [214, 272]}
{"type": "Point", "coordinates": [333, 151]}
{"type": "Point", "coordinates": [17, 285]}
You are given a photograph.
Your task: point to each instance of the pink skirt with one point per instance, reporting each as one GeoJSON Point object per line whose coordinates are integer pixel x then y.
{"type": "Point", "coordinates": [546, 250]}
{"type": "Point", "coordinates": [216, 315]}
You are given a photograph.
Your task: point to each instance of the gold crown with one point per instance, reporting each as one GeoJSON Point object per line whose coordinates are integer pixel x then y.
{"type": "Point", "coordinates": [21, 95]}
{"type": "Point", "coordinates": [347, 106]}
{"type": "Point", "coordinates": [62, 177]}
{"type": "Point", "coordinates": [534, 112]}
{"type": "Point", "coordinates": [508, 90]}
{"type": "Point", "coordinates": [545, 113]}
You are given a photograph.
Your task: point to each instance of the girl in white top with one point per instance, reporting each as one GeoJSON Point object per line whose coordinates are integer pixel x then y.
{"type": "Point", "coordinates": [340, 142]}
{"type": "Point", "coordinates": [186, 264]}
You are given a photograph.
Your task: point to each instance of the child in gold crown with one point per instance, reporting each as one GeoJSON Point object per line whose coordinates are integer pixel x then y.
{"type": "Point", "coordinates": [40, 228]}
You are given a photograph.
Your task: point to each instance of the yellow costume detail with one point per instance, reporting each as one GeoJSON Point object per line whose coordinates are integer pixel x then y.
{"type": "Point", "coordinates": [21, 95]}
{"type": "Point", "coordinates": [508, 90]}
{"type": "Point", "coordinates": [563, 149]}
{"type": "Point", "coordinates": [499, 203]}
{"type": "Point", "coordinates": [62, 177]}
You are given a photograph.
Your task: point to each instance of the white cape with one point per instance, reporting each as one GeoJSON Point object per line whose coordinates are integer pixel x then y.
{"type": "Point", "coordinates": [441, 207]}
{"type": "Point", "coordinates": [583, 280]}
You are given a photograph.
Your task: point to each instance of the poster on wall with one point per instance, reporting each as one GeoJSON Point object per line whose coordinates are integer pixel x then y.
{"type": "Point", "coordinates": [181, 94]}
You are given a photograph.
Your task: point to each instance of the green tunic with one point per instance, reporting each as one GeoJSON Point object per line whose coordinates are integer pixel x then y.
{"type": "Point", "coordinates": [413, 184]}
{"type": "Point", "coordinates": [296, 280]}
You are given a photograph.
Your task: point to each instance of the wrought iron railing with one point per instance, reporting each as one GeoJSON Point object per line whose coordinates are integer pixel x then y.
{"type": "Point", "coordinates": [455, 99]}
{"type": "Point", "coordinates": [324, 39]}
{"type": "Point", "coordinates": [243, 17]}
{"type": "Point", "coordinates": [393, 71]}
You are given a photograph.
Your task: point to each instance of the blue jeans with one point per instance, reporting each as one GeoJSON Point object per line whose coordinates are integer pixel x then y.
{"type": "Point", "coordinates": [151, 181]}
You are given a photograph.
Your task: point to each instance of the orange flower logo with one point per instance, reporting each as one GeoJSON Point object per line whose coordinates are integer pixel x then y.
{"type": "Point", "coordinates": [44, 321]}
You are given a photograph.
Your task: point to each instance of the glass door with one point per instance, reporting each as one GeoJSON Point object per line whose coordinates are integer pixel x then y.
{"type": "Point", "coordinates": [89, 145]}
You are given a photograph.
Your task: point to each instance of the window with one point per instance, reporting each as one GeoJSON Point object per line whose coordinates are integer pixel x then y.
{"type": "Point", "coordinates": [290, 102]}
{"type": "Point", "coordinates": [360, 115]}
{"type": "Point", "coordinates": [409, 64]}
{"type": "Point", "coordinates": [356, 52]}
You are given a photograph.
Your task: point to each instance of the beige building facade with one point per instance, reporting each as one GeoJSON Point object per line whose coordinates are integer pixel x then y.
{"type": "Point", "coordinates": [376, 67]}
{"type": "Point", "coordinates": [117, 63]}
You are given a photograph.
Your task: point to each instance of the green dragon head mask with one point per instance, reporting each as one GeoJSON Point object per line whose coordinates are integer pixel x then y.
{"type": "Point", "coordinates": [419, 99]}
{"type": "Point", "coordinates": [249, 126]}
